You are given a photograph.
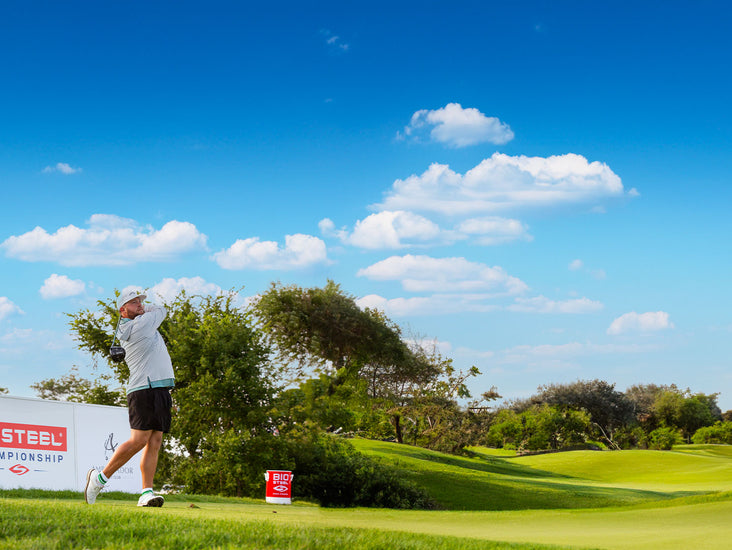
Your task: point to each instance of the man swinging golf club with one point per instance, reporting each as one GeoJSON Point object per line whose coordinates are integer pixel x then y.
{"type": "Point", "coordinates": [148, 395]}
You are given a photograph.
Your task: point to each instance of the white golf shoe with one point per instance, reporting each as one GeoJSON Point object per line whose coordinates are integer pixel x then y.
{"type": "Point", "coordinates": [93, 486]}
{"type": "Point", "coordinates": [150, 499]}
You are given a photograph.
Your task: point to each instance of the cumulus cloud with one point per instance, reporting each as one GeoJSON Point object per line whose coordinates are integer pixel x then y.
{"type": "Point", "coordinates": [427, 274]}
{"type": "Point", "coordinates": [61, 286]}
{"type": "Point", "coordinates": [651, 321]}
{"type": "Point", "coordinates": [108, 241]}
{"type": "Point", "coordinates": [390, 230]}
{"type": "Point", "coordinates": [542, 304]}
{"type": "Point", "coordinates": [300, 251]}
{"type": "Point", "coordinates": [169, 288]}
{"type": "Point", "coordinates": [8, 308]}
{"type": "Point", "coordinates": [401, 229]}
{"type": "Point", "coordinates": [436, 304]}
{"type": "Point", "coordinates": [493, 230]}
{"type": "Point", "coordinates": [61, 167]}
{"type": "Point", "coordinates": [504, 182]}
{"type": "Point", "coordinates": [576, 265]}
{"type": "Point", "coordinates": [456, 126]}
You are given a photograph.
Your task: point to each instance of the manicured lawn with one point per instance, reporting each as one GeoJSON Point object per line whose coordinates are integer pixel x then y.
{"type": "Point", "coordinates": [679, 499]}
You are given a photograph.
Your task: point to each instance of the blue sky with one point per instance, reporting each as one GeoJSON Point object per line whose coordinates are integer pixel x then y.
{"type": "Point", "coordinates": [540, 187]}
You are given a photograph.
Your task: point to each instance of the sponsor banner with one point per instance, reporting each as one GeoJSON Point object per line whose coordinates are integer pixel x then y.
{"type": "Point", "coordinates": [52, 444]}
{"type": "Point", "coordinates": [34, 444]}
{"type": "Point", "coordinates": [100, 431]}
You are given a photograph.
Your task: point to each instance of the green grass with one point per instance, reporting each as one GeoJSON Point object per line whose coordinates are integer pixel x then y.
{"type": "Point", "coordinates": [577, 479]}
{"type": "Point", "coordinates": [64, 524]}
{"type": "Point", "coordinates": [626, 500]}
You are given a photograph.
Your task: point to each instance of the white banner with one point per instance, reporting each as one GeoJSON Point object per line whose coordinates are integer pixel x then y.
{"type": "Point", "coordinates": [52, 444]}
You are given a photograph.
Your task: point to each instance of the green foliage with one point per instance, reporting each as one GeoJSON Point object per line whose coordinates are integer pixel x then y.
{"type": "Point", "coordinates": [685, 411]}
{"type": "Point", "coordinates": [608, 409]}
{"type": "Point", "coordinates": [94, 332]}
{"type": "Point", "coordinates": [72, 387]}
{"type": "Point", "coordinates": [368, 377]}
{"type": "Point", "coordinates": [719, 433]}
{"type": "Point", "coordinates": [541, 427]}
{"type": "Point", "coordinates": [663, 439]}
{"type": "Point", "coordinates": [329, 470]}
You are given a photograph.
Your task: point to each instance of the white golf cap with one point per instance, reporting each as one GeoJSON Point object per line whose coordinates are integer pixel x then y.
{"type": "Point", "coordinates": [128, 295]}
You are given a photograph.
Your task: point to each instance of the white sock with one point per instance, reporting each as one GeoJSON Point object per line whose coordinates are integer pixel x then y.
{"type": "Point", "coordinates": [102, 477]}
{"type": "Point", "coordinates": [147, 490]}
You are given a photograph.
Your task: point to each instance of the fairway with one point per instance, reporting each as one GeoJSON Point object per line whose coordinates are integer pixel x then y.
{"type": "Point", "coordinates": [615, 500]}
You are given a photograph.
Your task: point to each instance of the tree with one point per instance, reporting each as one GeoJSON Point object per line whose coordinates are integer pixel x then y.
{"type": "Point", "coordinates": [719, 433]}
{"type": "Point", "coordinates": [324, 330]}
{"type": "Point", "coordinates": [685, 411]}
{"type": "Point", "coordinates": [643, 397]}
{"type": "Point", "coordinates": [72, 387]}
{"type": "Point", "coordinates": [609, 409]}
{"type": "Point", "coordinates": [540, 427]}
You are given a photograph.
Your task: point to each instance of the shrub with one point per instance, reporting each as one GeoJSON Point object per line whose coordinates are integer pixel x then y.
{"type": "Point", "coordinates": [663, 439]}
{"type": "Point", "coordinates": [720, 432]}
{"type": "Point", "coordinates": [330, 471]}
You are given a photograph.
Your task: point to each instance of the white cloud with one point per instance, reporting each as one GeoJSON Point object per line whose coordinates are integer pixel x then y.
{"type": "Point", "coordinates": [402, 229]}
{"type": "Point", "coordinates": [109, 240]}
{"type": "Point", "coordinates": [427, 274]}
{"type": "Point", "coordinates": [577, 265]}
{"type": "Point", "coordinates": [300, 251]}
{"type": "Point", "coordinates": [62, 167]}
{"type": "Point", "coordinates": [437, 304]}
{"type": "Point", "coordinates": [492, 230]}
{"type": "Point", "coordinates": [8, 308]}
{"type": "Point", "coordinates": [561, 355]}
{"type": "Point", "coordinates": [542, 304]}
{"type": "Point", "coordinates": [334, 42]}
{"type": "Point", "coordinates": [169, 288]}
{"type": "Point", "coordinates": [458, 127]}
{"type": "Point", "coordinates": [504, 182]}
{"type": "Point", "coordinates": [61, 286]}
{"type": "Point", "coordinates": [386, 229]}
{"type": "Point", "coordinates": [640, 322]}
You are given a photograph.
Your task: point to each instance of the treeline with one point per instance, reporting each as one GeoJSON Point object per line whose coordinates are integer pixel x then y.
{"type": "Point", "coordinates": [271, 386]}
{"type": "Point", "coordinates": [562, 416]}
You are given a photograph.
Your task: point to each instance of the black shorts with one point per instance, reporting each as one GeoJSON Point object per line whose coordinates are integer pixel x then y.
{"type": "Point", "coordinates": [149, 409]}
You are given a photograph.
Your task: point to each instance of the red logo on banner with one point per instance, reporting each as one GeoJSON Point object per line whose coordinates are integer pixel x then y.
{"type": "Point", "coordinates": [29, 436]}
{"type": "Point", "coordinates": [19, 469]}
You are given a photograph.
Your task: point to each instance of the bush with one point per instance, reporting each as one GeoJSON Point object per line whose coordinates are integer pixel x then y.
{"type": "Point", "coordinates": [720, 432]}
{"type": "Point", "coordinates": [663, 439]}
{"type": "Point", "coordinates": [329, 470]}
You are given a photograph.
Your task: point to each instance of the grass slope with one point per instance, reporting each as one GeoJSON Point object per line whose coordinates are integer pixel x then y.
{"type": "Point", "coordinates": [578, 479]}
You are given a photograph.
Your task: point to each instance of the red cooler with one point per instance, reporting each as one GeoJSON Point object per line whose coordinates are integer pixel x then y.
{"type": "Point", "coordinates": [279, 485]}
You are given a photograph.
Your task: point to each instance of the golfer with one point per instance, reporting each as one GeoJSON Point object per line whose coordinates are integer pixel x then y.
{"type": "Point", "coordinates": [148, 396]}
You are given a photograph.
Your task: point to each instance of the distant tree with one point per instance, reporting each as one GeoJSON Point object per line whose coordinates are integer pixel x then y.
{"type": "Point", "coordinates": [540, 427]}
{"type": "Point", "coordinates": [643, 397]}
{"type": "Point", "coordinates": [719, 433]}
{"type": "Point", "coordinates": [685, 411]}
{"type": "Point", "coordinates": [72, 387]}
{"type": "Point", "coordinates": [609, 409]}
